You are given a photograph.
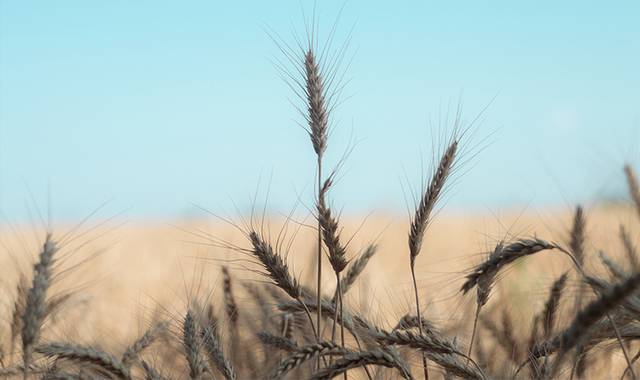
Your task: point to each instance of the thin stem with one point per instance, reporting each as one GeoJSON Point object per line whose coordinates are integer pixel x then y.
{"type": "Point", "coordinates": [624, 348]}
{"type": "Point", "coordinates": [633, 360]}
{"type": "Point", "coordinates": [335, 321]}
{"type": "Point", "coordinates": [366, 370]}
{"type": "Point", "coordinates": [415, 289]}
{"type": "Point", "coordinates": [339, 286]}
{"type": "Point", "coordinates": [319, 275]}
{"type": "Point", "coordinates": [475, 325]}
{"type": "Point", "coordinates": [575, 365]}
{"type": "Point", "coordinates": [308, 313]}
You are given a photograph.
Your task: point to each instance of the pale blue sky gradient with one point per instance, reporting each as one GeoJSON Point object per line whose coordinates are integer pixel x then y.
{"type": "Point", "coordinates": [157, 105]}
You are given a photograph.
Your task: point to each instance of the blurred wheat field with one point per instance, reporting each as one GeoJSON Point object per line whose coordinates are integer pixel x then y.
{"type": "Point", "coordinates": [125, 278]}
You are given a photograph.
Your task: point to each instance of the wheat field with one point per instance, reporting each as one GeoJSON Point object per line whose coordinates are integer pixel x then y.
{"type": "Point", "coordinates": [122, 279]}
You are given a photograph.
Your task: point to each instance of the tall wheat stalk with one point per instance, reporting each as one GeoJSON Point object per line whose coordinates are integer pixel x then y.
{"type": "Point", "coordinates": [421, 220]}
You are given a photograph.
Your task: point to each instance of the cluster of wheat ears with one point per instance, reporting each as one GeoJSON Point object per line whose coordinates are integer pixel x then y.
{"type": "Point", "coordinates": [299, 332]}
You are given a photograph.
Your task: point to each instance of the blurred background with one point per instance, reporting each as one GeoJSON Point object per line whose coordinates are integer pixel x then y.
{"type": "Point", "coordinates": [155, 107]}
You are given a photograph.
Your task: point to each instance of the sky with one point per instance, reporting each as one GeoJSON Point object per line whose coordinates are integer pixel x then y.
{"type": "Point", "coordinates": [162, 108]}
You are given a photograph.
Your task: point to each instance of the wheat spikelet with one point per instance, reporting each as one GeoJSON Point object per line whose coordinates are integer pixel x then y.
{"type": "Point", "coordinates": [150, 372]}
{"type": "Point", "coordinates": [213, 347]}
{"type": "Point", "coordinates": [507, 255]}
{"type": "Point", "coordinates": [409, 321]}
{"type": "Point", "coordinates": [634, 186]}
{"type": "Point", "coordinates": [330, 231]}
{"type": "Point", "coordinates": [456, 367]}
{"type": "Point", "coordinates": [577, 238]}
{"type": "Point", "coordinates": [357, 267]}
{"type": "Point", "coordinates": [132, 352]}
{"type": "Point", "coordinates": [36, 308]}
{"type": "Point", "coordinates": [302, 354]}
{"type": "Point", "coordinates": [230, 302]}
{"type": "Point", "coordinates": [278, 272]}
{"type": "Point", "coordinates": [360, 359]}
{"type": "Point", "coordinates": [279, 342]}
{"type": "Point", "coordinates": [616, 271]}
{"type": "Point", "coordinates": [430, 343]}
{"type": "Point", "coordinates": [277, 269]}
{"type": "Point", "coordinates": [260, 299]}
{"type": "Point", "coordinates": [551, 306]}
{"type": "Point", "coordinates": [61, 375]}
{"type": "Point", "coordinates": [192, 346]}
{"type": "Point", "coordinates": [629, 249]}
{"type": "Point", "coordinates": [317, 116]}
{"type": "Point", "coordinates": [83, 354]}
{"type": "Point", "coordinates": [19, 306]}
{"type": "Point", "coordinates": [512, 345]}
{"type": "Point", "coordinates": [429, 199]}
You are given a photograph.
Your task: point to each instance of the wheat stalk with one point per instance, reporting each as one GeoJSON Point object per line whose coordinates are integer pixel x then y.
{"type": "Point", "coordinates": [422, 216]}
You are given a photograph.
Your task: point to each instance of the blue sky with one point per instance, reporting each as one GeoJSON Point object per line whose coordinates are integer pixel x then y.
{"type": "Point", "coordinates": [155, 106]}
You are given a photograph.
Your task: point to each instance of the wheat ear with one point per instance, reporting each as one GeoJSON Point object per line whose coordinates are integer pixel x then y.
{"type": "Point", "coordinates": [211, 343]}
{"type": "Point", "coordinates": [133, 351]}
{"type": "Point", "coordinates": [84, 354]}
{"type": "Point", "coordinates": [634, 186]}
{"type": "Point", "coordinates": [278, 272]}
{"type": "Point", "coordinates": [36, 306]}
{"type": "Point", "coordinates": [358, 359]}
{"type": "Point", "coordinates": [551, 306]}
{"type": "Point", "coordinates": [192, 346]}
{"type": "Point", "coordinates": [629, 248]}
{"type": "Point", "coordinates": [302, 354]}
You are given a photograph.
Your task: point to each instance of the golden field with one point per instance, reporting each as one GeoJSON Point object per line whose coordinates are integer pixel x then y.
{"type": "Point", "coordinates": [124, 276]}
